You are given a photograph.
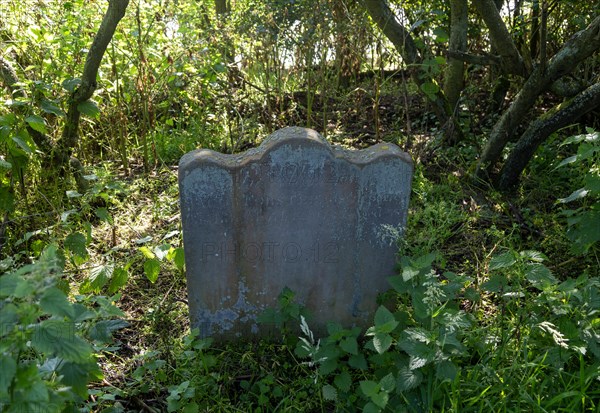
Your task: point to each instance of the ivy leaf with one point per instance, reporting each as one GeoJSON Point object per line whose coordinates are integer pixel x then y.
{"type": "Point", "coordinates": [89, 108]}
{"type": "Point", "coordinates": [151, 269]}
{"type": "Point", "coordinates": [36, 123]}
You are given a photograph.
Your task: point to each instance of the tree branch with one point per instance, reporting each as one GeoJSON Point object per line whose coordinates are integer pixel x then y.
{"type": "Point", "coordinates": [511, 62]}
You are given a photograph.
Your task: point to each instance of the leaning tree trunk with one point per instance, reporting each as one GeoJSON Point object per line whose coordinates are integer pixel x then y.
{"type": "Point", "coordinates": [400, 37]}
{"type": "Point", "coordinates": [455, 80]}
{"type": "Point", "coordinates": [582, 45]}
{"type": "Point", "coordinates": [65, 145]}
{"type": "Point", "coordinates": [563, 115]}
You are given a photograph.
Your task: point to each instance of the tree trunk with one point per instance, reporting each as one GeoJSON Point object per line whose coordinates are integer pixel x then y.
{"type": "Point", "coordinates": [582, 45]}
{"type": "Point", "coordinates": [68, 140]}
{"type": "Point", "coordinates": [454, 82]}
{"type": "Point", "coordinates": [511, 59]}
{"type": "Point", "coordinates": [561, 116]}
{"type": "Point", "coordinates": [400, 37]}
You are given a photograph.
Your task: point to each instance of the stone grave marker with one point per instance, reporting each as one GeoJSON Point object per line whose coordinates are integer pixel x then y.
{"type": "Point", "coordinates": [295, 212]}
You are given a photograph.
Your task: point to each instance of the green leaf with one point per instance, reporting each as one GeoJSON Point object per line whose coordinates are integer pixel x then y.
{"type": "Point", "coordinates": [58, 338]}
{"type": "Point", "coordinates": [7, 199]}
{"type": "Point", "coordinates": [5, 164]}
{"type": "Point", "coordinates": [358, 362]}
{"type": "Point", "coordinates": [102, 331]}
{"type": "Point", "coordinates": [151, 269]}
{"type": "Point", "coordinates": [408, 379]}
{"type": "Point", "coordinates": [177, 256]}
{"type": "Point", "coordinates": [49, 107]}
{"type": "Point", "coordinates": [369, 387]}
{"type": "Point", "coordinates": [103, 214]}
{"type": "Point", "coordinates": [71, 84]}
{"type": "Point", "coordinates": [382, 342]}
{"type": "Point", "coordinates": [8, 367]}
{"type": "Point", "coordinates": [329, 392]}
{"type": "Point", "coordinates": [579, 193]}
{"type": "Point", "coordinates": [78, 375]}
{"type": "Point", "coordinates": [430, 89]}
{"type": "Point", "coordinates": [55, 302]}
{"type": "Point", "coordinates": [534, 256]}
{"type": "Point", "coordinates": [76, 244]}
{"type": "Point", "coordinates": [502, 261]}
{"type": "Point", "coordinates": [385, 321]}
{"type": "Point", "coordinates": [36, 123]}
{"type": "Point", "coordinates": [21, 144]}
{"type": "Point", "coordinates": [496, 283]}
{"type": "Point", "coordinates": [161, 251]}
{"type": "Point", "coordinates": [98, 278]}
{"type": "Point", "coordinates": [446, 370]}
{"type": "Point", "coordinates": [388, 383]}
{"type": "Point", "coordinates": [349, 345]}
{"type": "Point", "coordinates": [147, 253]}
{"type": "Point", "coordinates": [540, 276]}
{"type": "Point", "coordinates": [371, 407]}
{"type": "Point", "coordinates": [118, 280]}
{"type": "Point", "coordinates": [89, 108]}
{"type": "Point", "coordinates": [343, 381]}
{"type": "Point", "coordinates": [380, 399]}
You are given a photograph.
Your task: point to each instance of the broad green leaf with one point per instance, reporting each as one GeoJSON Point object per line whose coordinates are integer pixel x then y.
{"type": "Point", "coordinates": [71, 84]}
{"type": "Point", "coordinates": [8, 367]}
{"type": "Point", "coordinates": [380, 399]}
{"type": "Point", "coordinates": [328, 366]}
{"type": "Point", "coordinates": [118, 280]}
{"type": "Point", "coordinates": [151, 269]}
{"type": "Point", "coordinates": [343, 381]}
{"type": "Point", "coordinates": [349, 345]}
{"type": "Point", "coordinates": [161, 251]}
{"type": "Point", "coordinates": [5, 164]}
{"type": "Point", "coordinates": [36, 123]}
{"type": "Point", "coordinates": [534, 256]}
{"type": "Point", "coordinates": [329, 392]}
{"type": "Point", "coordinates": [58, 338]}
{"type": "Point", "coordinates": [502, 261]}
{"type": "Point", "coordinates": [358, 362]}
{"type": "Point", "coordinates": [592, 183]}
{"type": "Point", "coordinates": [388, 383]}
{"type": "Point", "coordinates": [408, 379]}
{"type": "Point", "coordinates": [176, 255]}
{"type": "Point", "coordinates": [371, 407]}
{"type": "Point", "coordinates": [540, 276]}
{"type": "Point", "coordinates": [78, 375]}
{"type": "Point", "coordinates": [76, 244]}
{"type": "Point", "coordinates": [89, 108]}
{"type": "Point", "coordinates": [22, 144]}
{"type": "Point", "coordinates": [446, 370]}
{"type": "Point", "coordinates": [147, 253]}
{"type": "Point", "coordinates": [103, 214]}
{"type": "Point", "coordinates": [430, 89]}
{"type": "Point", "coordinates": [55, 302]}
{"type": "Point", "coordinates": [50, 107]}
{"type": "Point", "coordinates": [381, 342]}
{"type": "Point", "coordinates": [384, 320]}
{"type": "Point", "coordinates": [102, 331]}
{"type": "Point", "coordinates": [369, 387]}
{"type": "Point", "coordinates": [495, 284]}
{"type": "Point", "coordinates": [399, 284]}
{"type": "Point", "coordinates": [99, 277]}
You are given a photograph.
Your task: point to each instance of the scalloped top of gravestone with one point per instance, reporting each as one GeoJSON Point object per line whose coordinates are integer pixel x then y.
{"type": "Point", "coordinates": [295, 212]}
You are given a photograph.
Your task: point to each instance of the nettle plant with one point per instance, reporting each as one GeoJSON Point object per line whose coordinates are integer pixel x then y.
{"type": "Point", "coordinates": [48, 342]}
{"type": "Point", "coordinates": [409, 354]}
{"type": "Point", "coordinates": [584, 222]}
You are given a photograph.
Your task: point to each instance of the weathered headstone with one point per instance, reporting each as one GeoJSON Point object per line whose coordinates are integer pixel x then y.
{"type": "Point", "coordinates": [294, 212]}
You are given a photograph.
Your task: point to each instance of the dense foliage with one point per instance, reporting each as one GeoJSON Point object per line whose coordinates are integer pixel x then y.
{"type": "Point", "coordinates": [497, 299]}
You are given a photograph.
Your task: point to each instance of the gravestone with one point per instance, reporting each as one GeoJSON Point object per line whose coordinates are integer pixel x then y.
{"type": "Point", "coordinates": [295, 212]}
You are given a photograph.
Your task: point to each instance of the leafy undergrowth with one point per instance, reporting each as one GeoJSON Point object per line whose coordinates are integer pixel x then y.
{"type": "Point", "coordinates": [496, 308]}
